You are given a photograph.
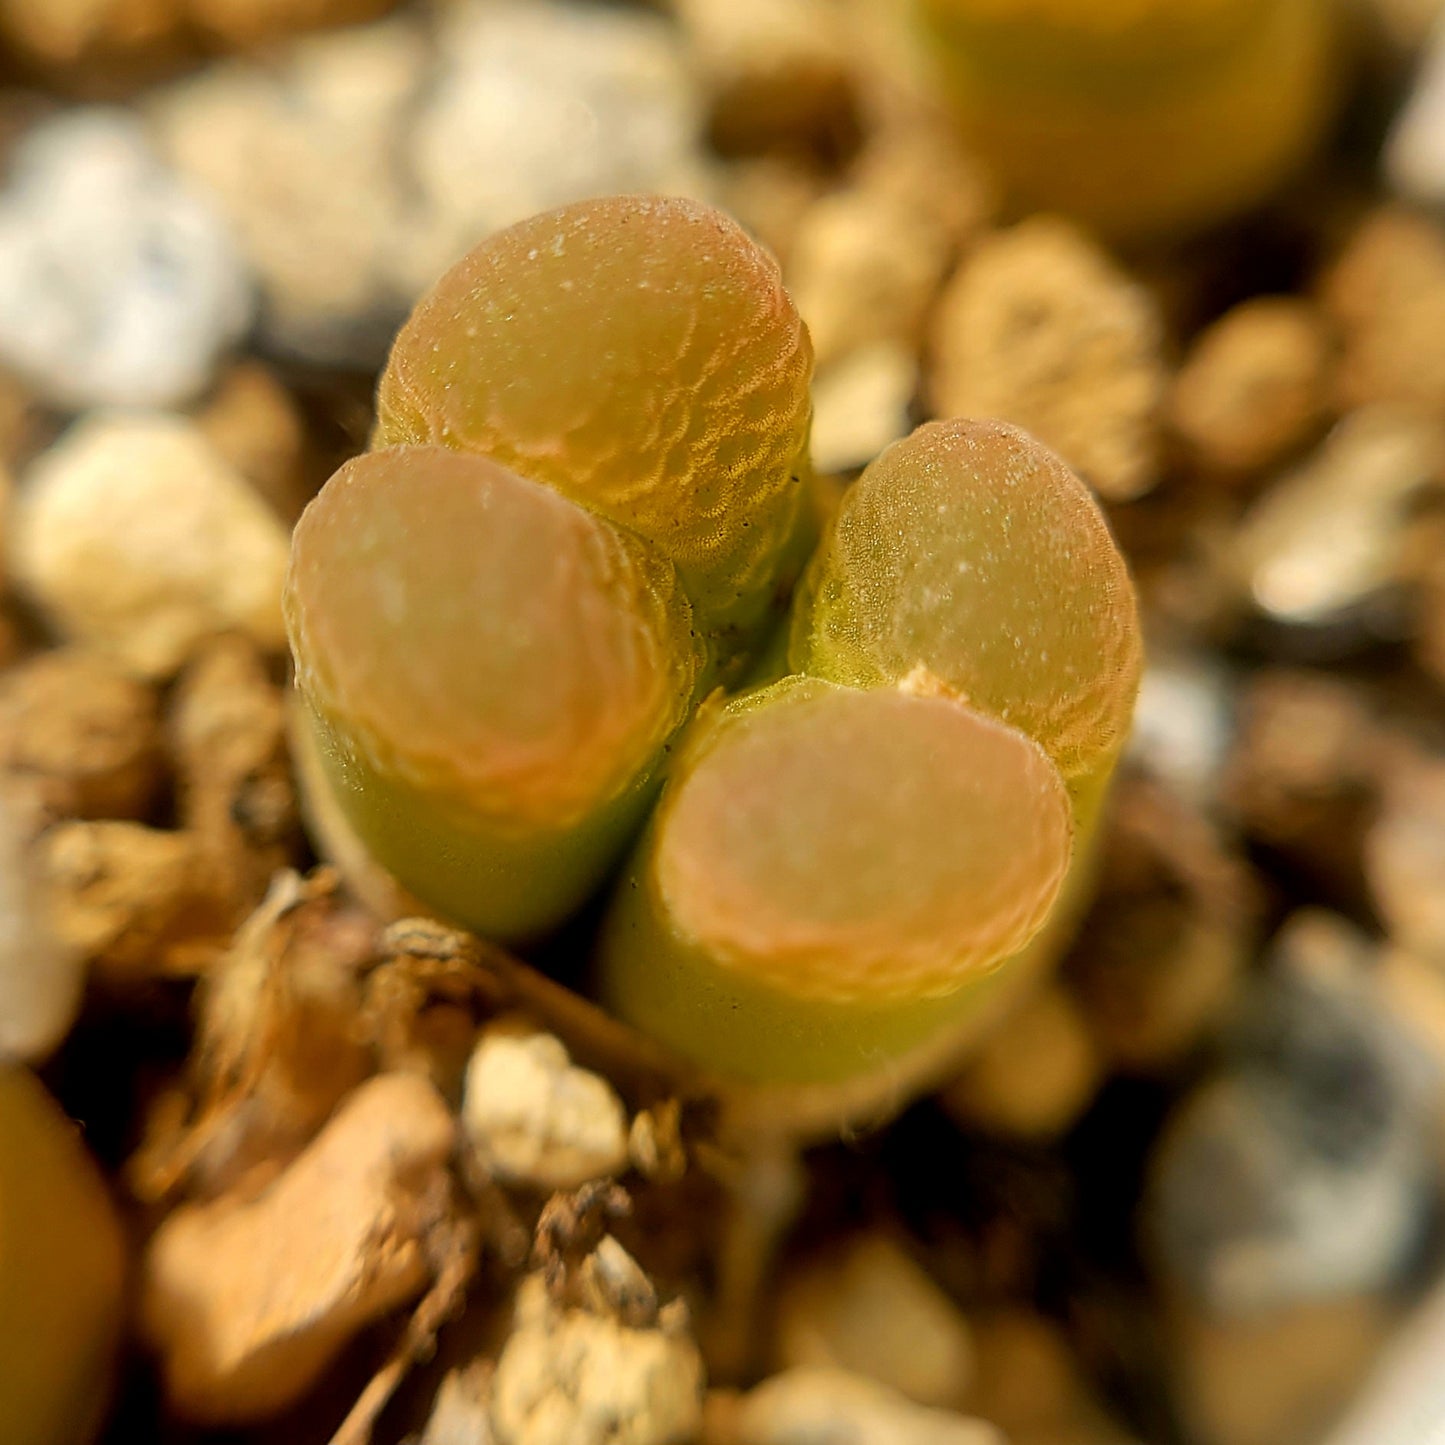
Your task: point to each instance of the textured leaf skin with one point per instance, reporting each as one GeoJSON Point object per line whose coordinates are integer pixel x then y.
{"type": "Point", "coordinates": [640, 356]}
{"type": "Point", "coordinates": [588, 491]}
{"type": "Point", "coordinates": [970, 558]}
{"type": "Point", "coordinates": [832, 873]}
{"type": "Point", "coordinates": [491, 675]}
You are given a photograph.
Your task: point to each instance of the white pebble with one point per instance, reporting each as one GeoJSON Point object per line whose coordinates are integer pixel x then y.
{"type": "Point", "coordinates": [1334, 534]}
{"type": "Point", "coordinates": [570, 1377]}
{"type": "Point", "coordinates": [537, 1120]}
{"type": "Point", "coordinates": [133, 535]}
{"type": "Point", "coordinates": [860, 406]}
{"type": "Point", "coordinates": [539, 103]}
{"type": "Point", "coordinates": [301, 155]}
{"type": "Point", "coordinates": [119, 286]}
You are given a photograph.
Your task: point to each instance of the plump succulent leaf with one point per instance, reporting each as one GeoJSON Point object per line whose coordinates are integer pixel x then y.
{"type": "Point", "coordinates": [492, 672]}
{"type": "Point", "coordinates": [640, 356]}
{"type": "Point", "coordinates": [969, 560]}
{"type": "Point", "coordinates": [827, 868]}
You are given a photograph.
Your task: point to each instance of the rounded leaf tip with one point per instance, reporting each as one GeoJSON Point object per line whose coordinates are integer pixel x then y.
{"type": "Point", "coordinates": [861, 847]}
{"type": "Point", "coordinates": [483, 639]}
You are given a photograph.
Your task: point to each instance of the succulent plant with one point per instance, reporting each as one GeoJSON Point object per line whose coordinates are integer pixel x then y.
{"type": "Point", "coordinates": [587, 496]}
{"type": "Point", "coordinates": [843, 861]}
{"type": "Point", "coordinates": [591, 488]}
{"type": "Point", "coordinates": [61, 1273]}
{"type": "Point", "coordinates": [1142, 117]}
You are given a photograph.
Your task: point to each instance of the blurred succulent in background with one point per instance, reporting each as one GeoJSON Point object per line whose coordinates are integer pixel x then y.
{"type": "Point", "coordinates": [1142, 119]}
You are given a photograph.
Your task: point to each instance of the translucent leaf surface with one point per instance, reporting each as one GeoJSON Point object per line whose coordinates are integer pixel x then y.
{"type": "Point", "coordinates": [969, 560]}
{"type": "Point", "coordinates": [639, 355]}
{"type": "Point", "coordinates": [483, 639]}
{"type": "Point", "coordinates": [853, 846]}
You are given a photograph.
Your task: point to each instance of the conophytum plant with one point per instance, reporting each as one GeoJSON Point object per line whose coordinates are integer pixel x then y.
{"type": "Point", "coordinates": [519, 616]}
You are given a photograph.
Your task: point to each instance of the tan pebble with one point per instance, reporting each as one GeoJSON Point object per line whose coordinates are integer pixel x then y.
{"type": "Point", "coordinates": [1040, 328]}
{"type": "Point", "coordinates": [864, 268]}
{"type": "Point", "coordinates": [254, 423]}
{"type": "Point", "coordinates": [1254, 385]}
{"type": "Point", "coordinates": [71, 33]}
{"type": "Point", "coordinates": [1284, 1376]}
{"type": "Point", "coordinates": [78, 737]}
{"type": "Point", "coordinates": [829, 1314]}
{"type": "Point", "coordinates": [804, 1406]}
{"type": "Point", "coordinates": [1035, 1075]}
{"type": "Point", "coordinates": [1028, 1380]}
{"type": "Point", "coordinates": [134, 536]}
{"type": "Point", "coordinates": [118, 892]}
{"type": "Point", "coordinates": [1386, 294]}
{"type": "Point", "coordinates": [247, 1301]}
{"type": "Point", "coordinates": [1304, 768]}
{"type": "Point", "coordinates": [916, 159]}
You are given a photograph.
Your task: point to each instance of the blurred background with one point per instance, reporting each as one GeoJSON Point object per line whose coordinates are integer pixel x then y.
{"type": "Point", "coordinates": [1192, 1194]}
